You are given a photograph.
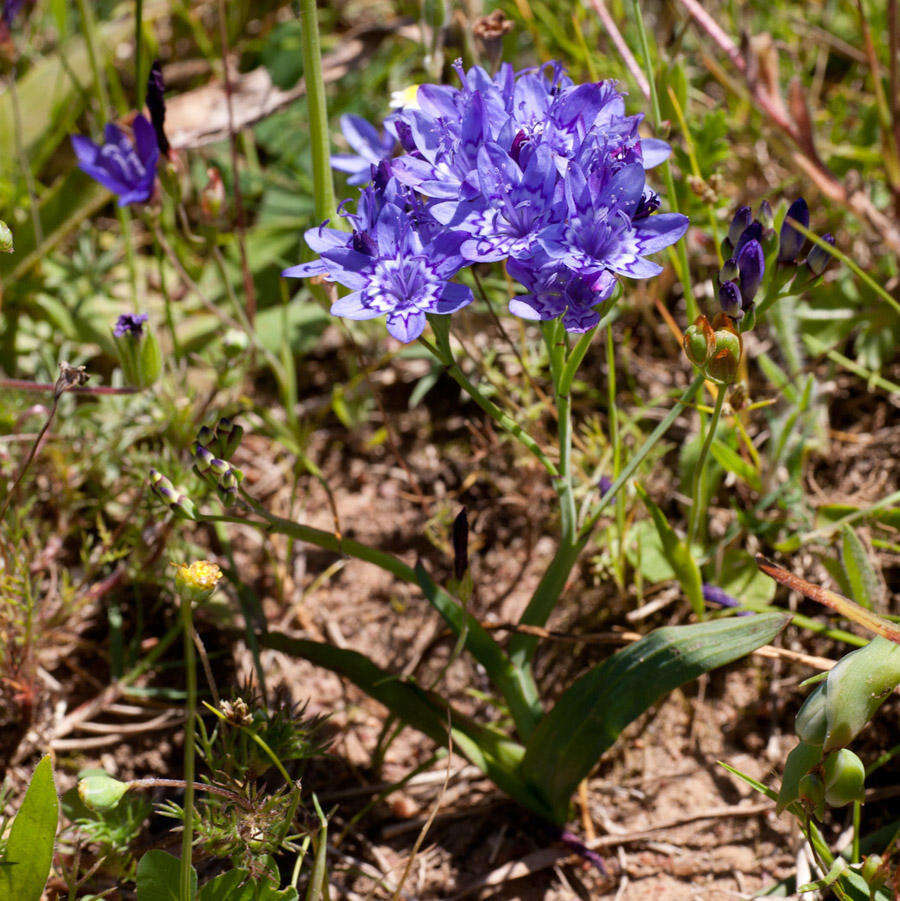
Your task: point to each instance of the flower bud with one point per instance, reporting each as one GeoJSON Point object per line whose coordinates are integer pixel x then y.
{"type": "Point", "coordinates": [228, 437]}
{"type": "Point", "coordinates": [699, 341]}
{"type": "Point", "coordinates": [790, 241]}
{"type": "Point", "coordinates": [460, 545]}
{"type": "Point", "coordinates": [729, 271]}
{"type": "Point", "coordinates": [765, 215]}
{"type": "Point", "coordinates": [234, 343]}
{"type": "Point", "coordinates": [741, 219]}
{"type": "Point", "coordinates": [203, 457]}
{"type": "Point", "coordinates": [220, 467]}
{"type": "Point", "coordinates": [730, 300]}
{"type": "Point", "coordinates": [196, 582]}
{"type": "Point", "coordinates": [752, 265]}
{"type": "Point", "coordinates": [99, 791]}
{"type": "Point", "coordinates": [205, 436]}
{"type": "Point", "coordinates": [845, 777]}
{"type": "Point", "coordinates": [179, 503]}
{"type": "Point", "coordinates": [818, 258]}
{"type": "Point", "coordinates": [753, 232]}
{"type": "Point", "coordinates": [6, 238]}
{"type": "Point", "coordinates": [212, 197]}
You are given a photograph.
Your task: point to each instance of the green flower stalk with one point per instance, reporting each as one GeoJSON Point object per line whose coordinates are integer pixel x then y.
{"type": "Point", "coordinates": [194, 584]}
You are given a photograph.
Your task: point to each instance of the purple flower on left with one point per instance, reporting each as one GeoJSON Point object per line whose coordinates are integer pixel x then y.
{"type": "Point", "coordinates": [126, 169]}
{"type": "Point", "coordinates": [130, 324]}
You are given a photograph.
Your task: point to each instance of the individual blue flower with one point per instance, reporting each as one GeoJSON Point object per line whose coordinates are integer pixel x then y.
{"type": "Point", "coordinates": [555, 291]}
{"type": "Point", "coordinates": [371, 149]}
{"type": "Point", "coordinates": [751, 263]}
{"type": "Point", "coordinates": [126, 169]}
{"type": "Point", "coordinates": [397, 266]}
{"type": "Point", "coordinates": [130, 324]}
{"type": "Point", "coordinates": [601, 234]}
{"type": "Point", "coordinates": [514, 205]}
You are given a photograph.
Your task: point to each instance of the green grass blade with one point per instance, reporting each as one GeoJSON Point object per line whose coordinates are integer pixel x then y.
{"type": "Point", "coordinates": [591, 714]}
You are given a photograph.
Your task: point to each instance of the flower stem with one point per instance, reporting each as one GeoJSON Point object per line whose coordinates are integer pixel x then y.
{"type": "Point", "coordinates": [522, 647]}
{"type": "Point", "coordinates": [318, 113]}
{"type": "Point", "coordinates": [694, 516]}
{"type": "Point", "coordinates": [681, 249]}
{"type": "Point", "coordinates": [187, 836]}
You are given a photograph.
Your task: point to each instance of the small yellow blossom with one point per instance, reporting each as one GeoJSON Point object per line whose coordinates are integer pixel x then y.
{"type": "Point", "coordinates": [198, 580]}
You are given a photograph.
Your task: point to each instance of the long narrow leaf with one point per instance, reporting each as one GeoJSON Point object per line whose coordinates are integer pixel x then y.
{"type": "Point", "coordinates": [591, 714]}
{"type": "Point", "coordinates": [516, 686]}
{"type": "Point", "coordinates": [495, 755]}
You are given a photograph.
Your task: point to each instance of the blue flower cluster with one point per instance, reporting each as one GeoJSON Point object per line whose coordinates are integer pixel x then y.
{"type": "Point", "coordinates": [526, 167]}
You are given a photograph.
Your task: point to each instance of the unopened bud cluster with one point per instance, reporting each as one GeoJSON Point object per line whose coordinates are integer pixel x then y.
{"type": "Point", "coordinates": [754, 254]}
{"type": "Point", "coordinates": [177, 501]}
{"type": "Point", "coordinates": [223, 440]}
{"type": "Point", "coordinates": [716, 347]}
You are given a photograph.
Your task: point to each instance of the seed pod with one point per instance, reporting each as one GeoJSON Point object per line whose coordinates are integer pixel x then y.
{"type": "Point", "coordinates": [803, 758]}
{"type": "Point", "coordinates": [811, 793]}
{"type": "Point", "coordinates": [856, 687]}
{"type": "Point", "coordinates": [844, 776]}
{"type": "Point", "coordinates": [99, 791]}
{"type": "Point", "coordinates": [6, 238]}
{"type": "Point", "coordinates": [699, 341]}
{"type": "Point", "coordinates": [728, 347]}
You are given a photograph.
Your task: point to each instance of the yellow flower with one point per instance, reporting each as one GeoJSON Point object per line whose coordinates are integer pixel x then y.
{"type": "Point", "coordinates": [197, 581]}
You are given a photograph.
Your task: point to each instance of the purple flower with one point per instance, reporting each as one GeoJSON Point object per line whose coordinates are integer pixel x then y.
{"type": "Point", "coordinates": [557, 291]}
{"type": "Point", "coordinates": [397, 263]}
{"type": "Point", "coordinates": [11, 9]}
{"type": "Point", "coordinates": [740, 221]}
{"type": "Point", "coordinates": [790, 240]}
{"type": "Point", "coordinates": [751, 263]}
{"type": "Point", "coordinates": [371, 149]}
{"type": "Point", "coordinates": [601, 235]}
{"type": "Point", "coordinates": [712, 594]}
{"type": "Point", "coordinates": [126, 169]}
{"type": "Point", "coordinates": [130, 324]}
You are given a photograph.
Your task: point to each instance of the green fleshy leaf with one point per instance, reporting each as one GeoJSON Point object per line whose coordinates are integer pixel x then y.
{"type": "Point", "coordinates": [158, 877]}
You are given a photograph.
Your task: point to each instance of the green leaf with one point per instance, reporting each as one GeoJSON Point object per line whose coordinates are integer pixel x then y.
{"type": "Point", "coordinates": [240, 885]}
{"type": "Point", "coordinates": [865, 587]}
{"type": "Point", "coordinates": [645, 553]}
{"type": "Point", "coordinates": [29, 848]}
{"type": "Point", "coordinates": [514, 684]}
{"type": "Point", "coordinates": [742, 579]}
{"type": "Point", "coordinates": [731, 461]}
{"type": "Point", "coordinates": [158, 875]}
{"type": "Point", "coordinates": [591, 714]}
{"type": "Point", "coordinates": [677, 554]}
{"type": "Point", "coordinates": [493, 753]}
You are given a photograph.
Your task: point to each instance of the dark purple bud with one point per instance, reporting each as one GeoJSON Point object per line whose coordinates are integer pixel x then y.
{"type": "Point", "coordinates": [460, 545]}
{"type": "Point", "coordinates": [819, 258]}
{"type": "Point", "coordinates": [790, 240]}
{"type": "Point", "coordinates": [130, 324]}
{"type": "Point", "coordinates": [729, 271]}
{"type": "Point", "coordinates": [205, 436]}
{"type": "Point", "coordinates": [156, 88]}
{"type": "Point", "coordinates": [753, 232]}
{"type": "Point", "coordinates": [604, 485]}
{"type": "Point", "coordinates": [730, 300]}
{"type": "Point", "coordinates": [741, 219]}
{"type": "Point", "coordinates": [752, 265]}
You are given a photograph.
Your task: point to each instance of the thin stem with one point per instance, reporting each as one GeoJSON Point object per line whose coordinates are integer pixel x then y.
{"type": "Point", "coordinates": [241, 230]}
{"type": "Point", "coordinates": [444, 355]}
{"type": "Point", "coordinates": [24, 164]}
{"type": "Point", "coordinates": [140, 82]}
{"type": "Point", "coordinates": [523, 646]}
{"type": "Point", "coordinates": [318, 114]}
{"type": "Point", "coordinates": [681, 248]}
{"type": "Point", "coordinates": [187, 836]}
{"type": "Point", "coordinates": [615, 437]}
{"type": "Point", "coordinates": [694, 516]}
{"type": "Point", "coordinates": [153, 782]}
